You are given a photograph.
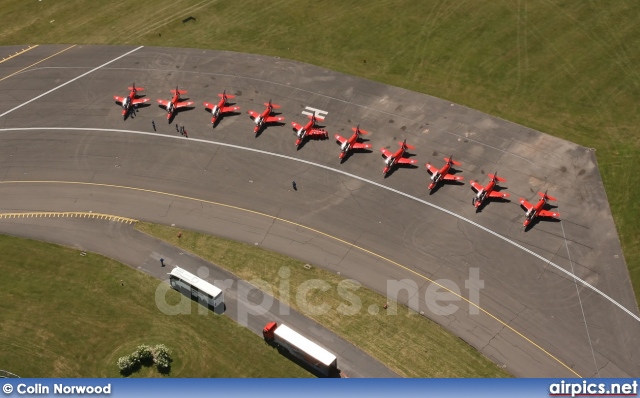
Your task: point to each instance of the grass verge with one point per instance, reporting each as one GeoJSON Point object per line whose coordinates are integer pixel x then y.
{"type": "Point", "coordinates": [66, 315]}
{"type": "Point", "coordinates": [408, 343]}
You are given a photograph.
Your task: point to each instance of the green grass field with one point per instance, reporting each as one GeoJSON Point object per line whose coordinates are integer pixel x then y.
{"type": "Point", "coordinates": [65, 315]}
{"type": "Point", "coordinates": [408, 343]}
{"type": "Point", "coordinates": [567, 68]}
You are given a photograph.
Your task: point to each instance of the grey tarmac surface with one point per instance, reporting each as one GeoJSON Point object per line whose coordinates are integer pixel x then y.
{"type": "Point", "coordinates": [244, 303]}
{"type": "Point", "coordinates": [550, 312]}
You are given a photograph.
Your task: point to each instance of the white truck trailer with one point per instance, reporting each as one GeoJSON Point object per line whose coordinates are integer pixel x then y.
{"type": "Point", "coordinates": [302, 348]}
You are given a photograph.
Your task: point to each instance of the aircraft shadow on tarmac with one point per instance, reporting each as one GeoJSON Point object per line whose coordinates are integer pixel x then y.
{"type": "Point", "coordinates": [222, 116]}
{"type": "Point", "coordinates": [308, 138]}
{"type": "Point", "coordinates": [488, 200]}
{"type": "Point", "coordinates": [401, 165]}
{"type": "Point", "coordinates": [265, 125]}
{"type": "Point", "coordinates": [352, 151]}
{"type": "Point", "coordinates": [177, 111]}
{"type": "Point", "coordinates": [452, 171]}
{"type": "Point", "coordinates": [536, 220]}
{"type": "Point", "coordinates": [131, 114]}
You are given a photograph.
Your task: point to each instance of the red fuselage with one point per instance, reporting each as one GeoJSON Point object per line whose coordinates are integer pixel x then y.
{"type": "Point", "coordinates": [436, 177]}
{"type": "Point", "coordinates": [303, 131]}
{"type": "Point", "coordinates": [484, 193]}
{"type": "Point", "coordinates": [171, 107]}
{"type": "Point", "coordinates": [126, 104]}
{"type": "Point", "coordinates": [260, 119]}
{"type": "Point", "coordinates": [216, 111]}
{"type": "Point", "coordinates": [348, 144]}
{"type": "Point", "coordinates": [393, 159]}
{"type": "Point", "coordinates": [531, 214]}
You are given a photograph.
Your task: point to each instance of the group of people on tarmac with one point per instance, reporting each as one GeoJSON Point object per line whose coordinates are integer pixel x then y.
{"type": "Point", "coordinates": [181, 130]}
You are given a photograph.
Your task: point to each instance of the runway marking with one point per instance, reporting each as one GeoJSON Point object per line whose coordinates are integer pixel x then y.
{"type": "Point", "coordinates": [42, 60]}
{"type": "Point", "coordinates": [406, 195]}
{"type": "Point", "coordinates": [70, 81]}
{"type": "Point", "coordinates": [318, 113]}
{"type": "Point", "coordinates": [24, 50]}
{"type": "Point", "coordinates": [584, 317]}
{"type": "Point", "coordinates": [246, 78]}
{"type": "Point", "coordinates": [312, 230]}
{"type": "Point", "coordinates": [69, 214]}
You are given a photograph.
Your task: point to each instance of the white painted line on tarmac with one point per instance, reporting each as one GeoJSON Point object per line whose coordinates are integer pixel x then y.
{"type": "Point", "coordinates": [406, 195]}
{"type": "Point", "coordinates": [70, 81]}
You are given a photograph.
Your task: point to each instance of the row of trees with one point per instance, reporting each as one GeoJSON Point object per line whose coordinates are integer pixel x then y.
{"type": "Point", "coordinates": [160, 356]}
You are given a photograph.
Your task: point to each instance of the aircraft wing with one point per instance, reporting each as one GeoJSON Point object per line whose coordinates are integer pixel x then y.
{"type": "Point", "coordinates": [494, 194]}
{"type": "Point", "coordinates": [433, 169]}
{"type": "Point", "coordinates": [317, 133]}
{"type": "Point", "coordinates": [208, 105]}
{"type": "Point", "coordinates": [230, 109]}
{"type": "Point", "coordinates": [547, 213]}
{"type": "Point", "coordinates": [296, 125]}
{"type": "Point", "coordinates": [253, 114]}
{"type": "Point", "coordinates": [273, 119]}
{"type": "Point", "coordinates": [357, 145]}
{"type": "Point", "coordinates": [478, 187]}
{"type": "Point", "coordinates": [340, 138]}
{"type": "Point", "coordinates": [386, 152]}
{"type": "Point", "coordinates": [137, 101]}
{"type": "Point", "coordinates": [526, 204]}
{"type": "Point", "coordinates": [163, 103]}
{"type": "Point", "coordinates": [406, 161]}
{"type": "Point", "coordinates": [451, 177]}
{"type": "Point", "coordinates": [119, 99]}
{"type": "Point", "coordinates": [184, 104]}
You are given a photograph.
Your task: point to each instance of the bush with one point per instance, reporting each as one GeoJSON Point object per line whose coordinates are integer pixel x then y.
{"type": "Point", "coordinates": [126, 364]}
{"type": "Point", "coordinates": [162, 358]}
{"type": "Point", "coordinates": [144, 354]}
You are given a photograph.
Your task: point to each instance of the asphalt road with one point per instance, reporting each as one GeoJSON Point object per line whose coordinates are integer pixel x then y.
{"type": "Point", "coordinates": [556, 326]}
{"type": "Point", "coordinates": [243, 302]}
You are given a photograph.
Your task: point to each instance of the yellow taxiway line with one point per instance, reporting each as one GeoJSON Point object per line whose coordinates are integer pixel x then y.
{"type": "Point", "coordinates": [24, 50]}
{"type": "Point", "coordinates": [506, 325]}
{"type": "Point", "coordinates": [70, 214]}
{"type": "Point", "coordinates": [34, 64]}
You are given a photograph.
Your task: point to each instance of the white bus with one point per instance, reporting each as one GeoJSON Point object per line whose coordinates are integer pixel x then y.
{"type": "Point", "coordinates": [196, 288]}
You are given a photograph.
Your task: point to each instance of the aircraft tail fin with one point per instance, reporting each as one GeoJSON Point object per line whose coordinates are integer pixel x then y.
{"type": "Point", "coordinates": [544, 195]}
{"type": "Point", "coordinates": [495, 176]}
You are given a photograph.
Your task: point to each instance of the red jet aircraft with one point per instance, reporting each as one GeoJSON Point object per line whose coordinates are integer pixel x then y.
{"type": "Point", "coordinates": [217, 110]}
{"type": "Point", "coordinates": [443, 173]}
{"type": "Point", "coordinates": [175, 103]}
{"type": "Point", "coordinates": [393, 159]}
{"type": "Point", "coordinates": [265, 117]}
{"type": "Point", "coordinates": [537, 210]}
{"type": "Point", "coordinates": [308, 130]}
{"type": "Point", "coordinates": [487, 191]}
{"type": "Point", "coordinates": [347, 145]}
{"type": "Point", "coordinates": [131, 100]}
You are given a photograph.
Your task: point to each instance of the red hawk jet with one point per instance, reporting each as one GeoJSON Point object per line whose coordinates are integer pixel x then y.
{"type": "Point", "coordinates": [175, 103]}
{"type": "Point", "coordinates": [443, 173]}
{"type": "Point", "coordinates": [222, 107]}
{"type": "Point", "coordinates": [265, 117]}
{"type": "Point", "coordinates": [487, 191]}
{"type": "Point", "coordinates": [538, 209]}
{"type": "Point", "coordinates": [130, 100]}
{"type": "Point", "coordinates": [393, 159]}
{"type": "Point", "coordinates": [308, 130]}
{"type": "Point", "coordinates": [352, 143]}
